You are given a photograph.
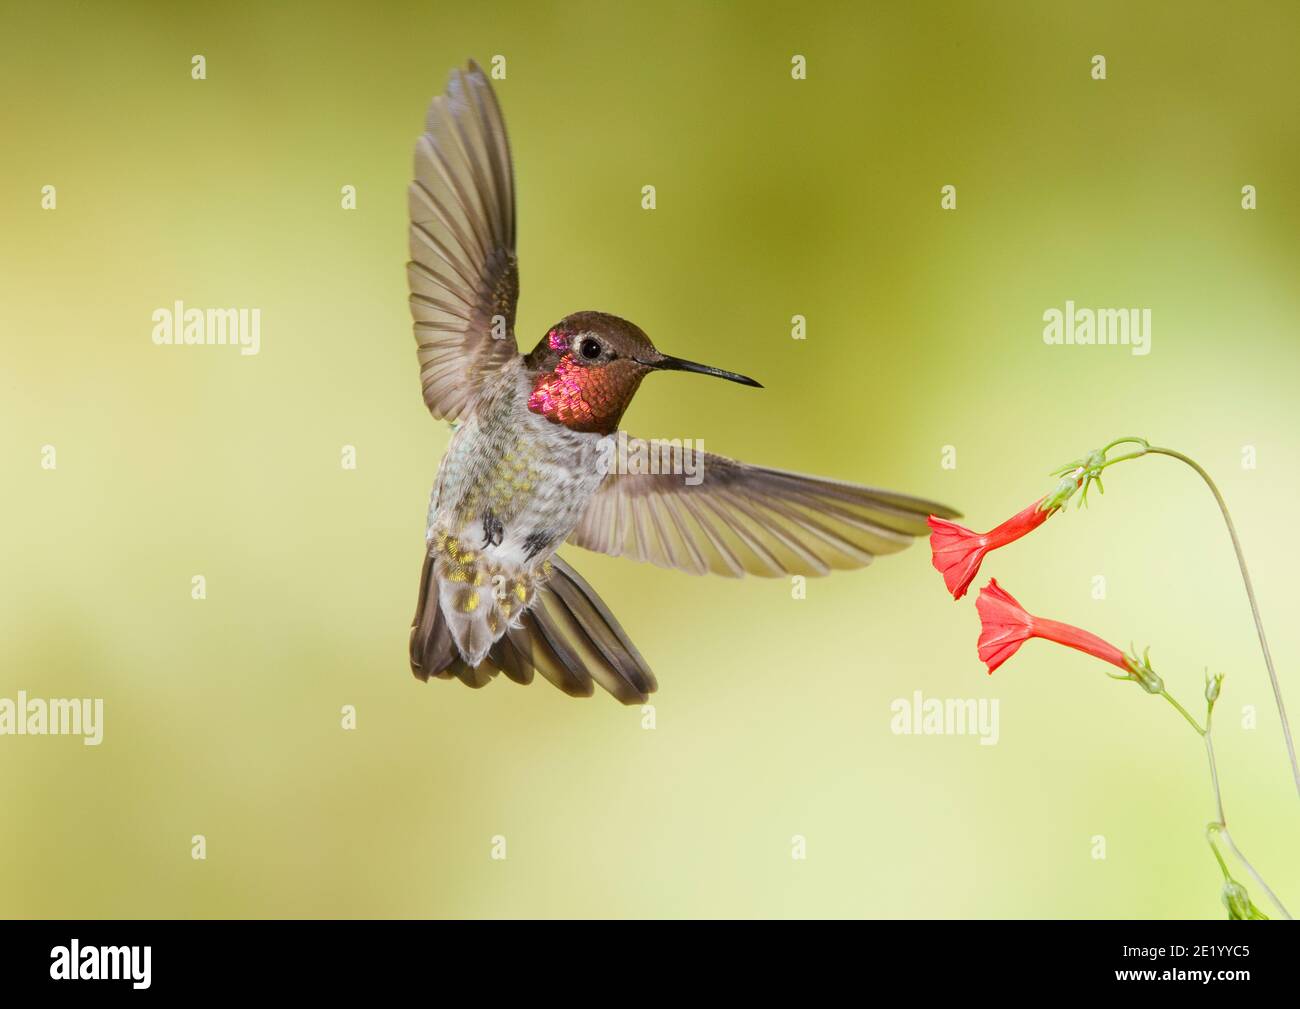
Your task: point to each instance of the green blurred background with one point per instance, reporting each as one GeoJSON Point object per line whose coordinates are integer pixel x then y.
{"type": "Point", "coordinates": [775, 197]}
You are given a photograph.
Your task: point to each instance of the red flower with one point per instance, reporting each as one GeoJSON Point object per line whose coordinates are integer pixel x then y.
{"type": "Point", "coordinates": [1005, 626]}
{"type": "Point", "coordinates": [956, 552]}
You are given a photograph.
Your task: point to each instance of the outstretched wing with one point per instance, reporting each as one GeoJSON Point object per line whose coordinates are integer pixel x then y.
{"type": "Point", "coordinates": [700, 513]}
{"type": "Point", "coordinates": [463, 275]}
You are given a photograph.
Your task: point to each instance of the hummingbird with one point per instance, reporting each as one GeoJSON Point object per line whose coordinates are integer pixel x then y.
{"type": "Point", "coordinates": [529, 466]}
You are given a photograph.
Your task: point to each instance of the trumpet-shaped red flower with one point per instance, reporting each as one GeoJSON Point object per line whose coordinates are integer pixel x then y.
{"type": "Point", "coordinates": [956, 551]}
{"type": "Point", "coordinates": [1005, 626]}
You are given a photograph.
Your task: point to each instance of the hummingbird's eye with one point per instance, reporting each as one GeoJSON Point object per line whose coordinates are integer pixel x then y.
{"type": "Point", "coordinates": [589, 348]}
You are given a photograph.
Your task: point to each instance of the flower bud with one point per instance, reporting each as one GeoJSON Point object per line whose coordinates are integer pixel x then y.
{"type": "Point", "coordinates": [1238, 902]}
{"type": "Point", "coordinates": [1065, 489]}
{"type": "Point", "coordinates": [1083, 473]}
{"type": "Point", "coordinates": [1143, 674]}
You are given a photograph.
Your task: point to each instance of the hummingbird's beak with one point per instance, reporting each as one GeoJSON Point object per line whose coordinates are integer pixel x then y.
{"type": "Point", "coordinates": [666, 363]}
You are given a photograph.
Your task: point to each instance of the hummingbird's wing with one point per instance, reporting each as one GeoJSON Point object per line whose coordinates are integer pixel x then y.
{"type": "Point", "coordinates": [463, 276]}
{"type": "Point", "coordinates": [730, 518]}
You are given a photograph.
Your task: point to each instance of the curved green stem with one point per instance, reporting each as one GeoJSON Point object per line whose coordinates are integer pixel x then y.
{"type": "Point", "coordinates": [1219, 828]}
{"type": "Point", "coordinates": [1222, 831]}
{"type": "Point", "coordinates": [1126, 440]}
{"type": "Point", "coordinates": [1190, 721]}
{"type": "Point", "coordinates": [1088, 470]}
{"type": "Point", "coordinates": [1250, 595]}
{"type": "Point", "coordinates": [1211, 831]}
{"type": "Point", "coordinates": [1121, 458]}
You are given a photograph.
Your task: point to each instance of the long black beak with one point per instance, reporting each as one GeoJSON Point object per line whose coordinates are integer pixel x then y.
{"type": "Point", "coordinates": [677, 364]}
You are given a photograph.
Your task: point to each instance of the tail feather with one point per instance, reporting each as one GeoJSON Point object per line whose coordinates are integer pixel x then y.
{"type": "Point", "coordinates": [611, 657]}
{"type": "Point", "coordinates": [567, 634]}
{"type": "Point", "coordinates": [433, 652]}
{"type": "Point", "coordinates": [473, 676]}
{"type": "Point", "coordinates": [552, 655]}
{"type": "Point", "coordinates": [515, 663]}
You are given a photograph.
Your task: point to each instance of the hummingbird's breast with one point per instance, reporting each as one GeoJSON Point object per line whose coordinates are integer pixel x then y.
{"type": "Point", "coordinates": [513, 484]}
{"type": "Point", "coordinates": [510, 489]}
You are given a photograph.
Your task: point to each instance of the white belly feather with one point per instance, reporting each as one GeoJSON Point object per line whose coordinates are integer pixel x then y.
{"type": "Point", "coordinates": [510, 489]}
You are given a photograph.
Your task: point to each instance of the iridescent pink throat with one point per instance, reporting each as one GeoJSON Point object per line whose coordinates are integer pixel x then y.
{"type": "Point", "coordinates": [581, 397]}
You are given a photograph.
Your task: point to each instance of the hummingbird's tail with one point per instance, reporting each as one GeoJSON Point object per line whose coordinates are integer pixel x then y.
{"type": "Point", "coordinates": [567, 634]}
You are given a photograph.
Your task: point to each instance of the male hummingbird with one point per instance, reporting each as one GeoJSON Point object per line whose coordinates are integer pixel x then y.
{"type": "Point", "coordinates": [533, 463]}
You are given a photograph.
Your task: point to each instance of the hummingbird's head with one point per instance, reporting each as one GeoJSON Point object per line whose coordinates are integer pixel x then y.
{"type": "Point", "coordinates": [588, 367]}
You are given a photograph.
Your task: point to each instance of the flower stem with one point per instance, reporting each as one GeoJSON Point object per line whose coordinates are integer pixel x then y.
{"type": "Point", "coordinates": [1211, 832]}
{"type": "Point", "coordinates": [1195, 725]}
{"type": "Point", "coordinates": [1082, 473]}
{"type": "Point", "coordinates": [1219, 828]}
{"type": "Point", "coordinates": [1126, 440]}
{"type": "Point", "coordinates": [1123, 458]}
{"type": "Point", "coordinates": [1250, 595]}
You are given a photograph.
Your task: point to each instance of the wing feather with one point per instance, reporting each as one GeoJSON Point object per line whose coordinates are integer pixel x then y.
{"type": "Point", "coordinates": [742, 519]}
{"type": "Point", "coordinates": [463, 273]}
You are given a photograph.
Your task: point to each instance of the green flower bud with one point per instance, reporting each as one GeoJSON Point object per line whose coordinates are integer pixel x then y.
{"type": "Point", "coordinates": [1143, 674]}
{"type": "Point", "coordinates": [1065, 489]}
{"type": "Point", "coordinates": [1238, 902]}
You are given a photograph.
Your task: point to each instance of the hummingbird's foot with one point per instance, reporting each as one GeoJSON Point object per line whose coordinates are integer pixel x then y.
{"type": "Point", "coordinates": [493, 531]}
{"type": "Point", "coordinates": [535, 543]}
